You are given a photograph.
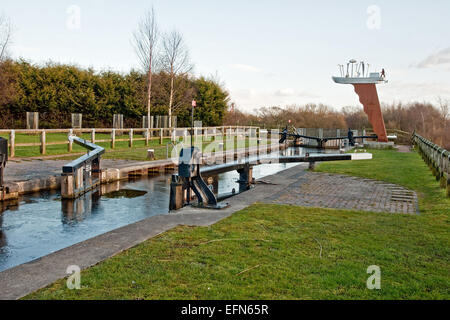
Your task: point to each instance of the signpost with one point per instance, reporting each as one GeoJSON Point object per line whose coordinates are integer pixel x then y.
{"type": "Point", "coordinates": [194, 104]}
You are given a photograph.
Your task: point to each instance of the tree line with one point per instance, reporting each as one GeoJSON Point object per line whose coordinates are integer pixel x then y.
{"type": "Point", "coordinates": [57, 90]}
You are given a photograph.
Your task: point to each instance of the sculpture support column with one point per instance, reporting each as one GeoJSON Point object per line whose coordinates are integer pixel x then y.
{"type": "Point", "coordinates": [368, 96]}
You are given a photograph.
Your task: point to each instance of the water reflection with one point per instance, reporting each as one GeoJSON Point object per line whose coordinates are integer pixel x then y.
{"type": "Point", "coordinates": [2, 235]}
{"type": "Point", "coordinates": [11, 205]}
{"type": "Point", "coordinates": [74, 211]}
{"type": "Point", "coordinates": [81, 208]}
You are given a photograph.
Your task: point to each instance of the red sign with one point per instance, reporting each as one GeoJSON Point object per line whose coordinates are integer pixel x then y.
{"type": "Point", "coordinates": [194, 103]}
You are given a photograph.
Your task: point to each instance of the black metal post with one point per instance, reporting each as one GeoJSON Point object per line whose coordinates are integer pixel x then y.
{"type": "Point", "coordinates": [192, 126]}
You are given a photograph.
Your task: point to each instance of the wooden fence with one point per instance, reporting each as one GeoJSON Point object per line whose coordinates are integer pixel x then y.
{"type": "Point", "coordinates": [437, 158]}
{"type": "Point", "coordinates": [116, 135]}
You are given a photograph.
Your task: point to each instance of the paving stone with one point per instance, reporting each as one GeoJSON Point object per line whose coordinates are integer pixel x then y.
{"type": "Point", "coordinates": [344, 192]}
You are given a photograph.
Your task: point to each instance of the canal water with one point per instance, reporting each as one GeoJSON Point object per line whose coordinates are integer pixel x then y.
{"type": "Point", "coordinates": [42, 223]}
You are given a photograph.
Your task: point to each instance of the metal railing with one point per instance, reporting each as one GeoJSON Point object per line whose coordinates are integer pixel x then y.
{"type": "Point", "coordinates": [327, 133]}
{"type": "Point", "coordinates": [84, 173]}
{"type": "Point", "coordinates": [437, 158]}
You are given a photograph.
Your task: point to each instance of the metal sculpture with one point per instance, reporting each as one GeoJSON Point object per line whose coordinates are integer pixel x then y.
{"type": "Point", "coordinates": [365, 83]}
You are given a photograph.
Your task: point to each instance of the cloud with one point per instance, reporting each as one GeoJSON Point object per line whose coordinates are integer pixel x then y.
{"type": "Point", "coordinates": [252, 69]}
{"type": "Point", "coordinates": [244, 94]}
{"type": "Point", "coordinates": [245, 67]}
{"type": "Point", "coordinates": [414, 91]}
{"type": "Point", "coordinates": [289, 92]}
{"type": "Point", "coordinates": [441, 58]}
{"type": "Point", "coordinates": [251, 98]}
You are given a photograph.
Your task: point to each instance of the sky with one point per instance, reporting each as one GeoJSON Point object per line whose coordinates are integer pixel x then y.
{"type": "Point", "coordinates": [266, 53]}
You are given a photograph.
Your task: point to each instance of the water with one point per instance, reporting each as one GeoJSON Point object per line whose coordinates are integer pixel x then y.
{"type": "Point", "coordinates": [42, 223]}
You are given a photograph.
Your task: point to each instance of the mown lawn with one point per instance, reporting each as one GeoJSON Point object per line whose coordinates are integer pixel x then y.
{"type": "Point", "coordinates": [288, 252]}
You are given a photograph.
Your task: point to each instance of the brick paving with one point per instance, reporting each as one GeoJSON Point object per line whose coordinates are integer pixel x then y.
{"type": "Point", "coordinates": [403, 149]}
{"type": "Point", "coordinates": [325, 190]}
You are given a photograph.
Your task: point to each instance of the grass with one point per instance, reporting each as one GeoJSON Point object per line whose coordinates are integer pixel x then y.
{"type": "Point", "coordinates": [288, 252]}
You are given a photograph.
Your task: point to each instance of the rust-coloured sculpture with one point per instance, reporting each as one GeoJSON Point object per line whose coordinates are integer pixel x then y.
{"type": "Point", "coordinates": [368, 97]}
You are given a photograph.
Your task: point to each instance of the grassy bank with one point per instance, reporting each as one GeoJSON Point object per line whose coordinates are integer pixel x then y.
{"type": "Point", "coordinates": [288, 252]}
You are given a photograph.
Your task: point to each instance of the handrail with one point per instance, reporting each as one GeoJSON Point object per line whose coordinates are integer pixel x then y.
{"type": "Point", "coordinates": [437, 158]}
{"type": "Point", "coordinates": [84, 173]}
{"type": "Point", "coordinates": [429, 143]}
{"type": "Point", "coordinates": [94, 152]}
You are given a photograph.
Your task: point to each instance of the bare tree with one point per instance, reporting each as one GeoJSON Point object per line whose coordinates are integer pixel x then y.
{"type": "Point", "coordinates": [5, 36]}
{"type": "Point", "coordinates": [145, 40]}
{"type": "Point", "coordinates": [444, 108]}
{"type": "Point", "coordinates": [175, 61]}
{"type": "Point", "coordinates": [445, 112]}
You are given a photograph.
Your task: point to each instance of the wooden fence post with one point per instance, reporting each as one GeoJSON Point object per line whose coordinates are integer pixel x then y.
{"type": "Point", "coordinates": [70, 145]}
{"type": "Point", "coordinates": [147, 137]}
{"type": "Point", "coordinates": [12, 144]}
{"type": "Point", "coordinates": [436, 163]}
{"type": "Point", "coordinates": [93, 136]}
{"type": "Point", "coordinates": [131, 139]}
{"type": "Point", "coordinates": [161, 136]}
{"type": "Point", "coordinates": [113, 138]}
{"type": "Point", "coordinates": [43, 147]}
